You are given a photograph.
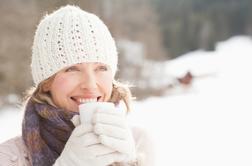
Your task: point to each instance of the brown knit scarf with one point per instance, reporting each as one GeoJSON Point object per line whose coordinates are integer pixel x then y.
{"type": "Point", "coordinates": [45, 131]}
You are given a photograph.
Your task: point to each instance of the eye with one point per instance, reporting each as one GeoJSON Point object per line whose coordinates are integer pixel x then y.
{"type": "Point", "coordinates": [71, 69]}
{"type": "Point", "coordinates": [102, 68]}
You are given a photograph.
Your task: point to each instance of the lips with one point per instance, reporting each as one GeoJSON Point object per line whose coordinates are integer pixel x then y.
{"type": "Point", "coordinates": [81, 100]}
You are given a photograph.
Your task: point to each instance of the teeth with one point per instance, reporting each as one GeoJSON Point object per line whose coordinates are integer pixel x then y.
{"type": "Point", "coordinates": [88, 100]}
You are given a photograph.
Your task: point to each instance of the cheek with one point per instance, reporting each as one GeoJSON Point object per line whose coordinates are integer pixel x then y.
{"type": "Point", "coordinates": [106, 84]}
{"type": "Point", "coordinates": [108, 87]}
{"type": "Point", "coordinates": [61, 86]}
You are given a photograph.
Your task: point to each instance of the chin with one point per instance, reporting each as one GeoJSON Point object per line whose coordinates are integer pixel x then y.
{"type": "Point", "coordinates": [72, 109]}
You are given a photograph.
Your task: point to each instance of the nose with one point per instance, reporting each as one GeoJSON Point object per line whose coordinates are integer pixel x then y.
{"type": "Point", "coordinates": [88, 81]}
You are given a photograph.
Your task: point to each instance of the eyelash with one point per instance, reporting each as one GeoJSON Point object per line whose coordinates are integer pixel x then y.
{"type": "Point", "coordinates": [103, 68]}
{"type": "Point", "coordinates": [99, 68]}
{"type": "Point", "coordinates": [71, 69]}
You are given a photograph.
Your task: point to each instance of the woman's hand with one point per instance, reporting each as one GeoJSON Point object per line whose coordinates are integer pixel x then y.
{"type": "Point", "coordinates": [113, 131]}
{"type": "Point", "coordinates": [84, 149]}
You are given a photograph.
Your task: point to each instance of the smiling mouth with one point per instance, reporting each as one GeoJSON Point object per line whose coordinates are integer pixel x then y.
{"type": "Point", "coordinates": [80, 100]}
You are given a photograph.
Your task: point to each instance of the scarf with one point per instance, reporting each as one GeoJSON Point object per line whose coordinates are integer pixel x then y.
{"type": "Point", "coordinates": [45, 131]}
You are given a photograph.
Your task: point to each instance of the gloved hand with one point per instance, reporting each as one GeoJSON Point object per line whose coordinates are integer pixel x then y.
{"type": "Point", "coordinates": [84, 149]}
{"type": "Point", "coordinates": [113, 131]}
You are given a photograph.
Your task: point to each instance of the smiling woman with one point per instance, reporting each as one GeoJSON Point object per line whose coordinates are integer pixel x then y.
{"type": "Point", "coordinates": [74, 62]}
{"type": "Point", "coordinates": [79, 83]}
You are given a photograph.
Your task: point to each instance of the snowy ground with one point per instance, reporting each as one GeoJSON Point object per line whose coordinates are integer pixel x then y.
{"type": "Point", "coordinates": [10, 122]}
{"type": "Point", "coordinates": [208, 123]}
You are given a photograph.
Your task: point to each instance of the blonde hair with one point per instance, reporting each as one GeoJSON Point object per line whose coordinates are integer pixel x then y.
{"type": "Point", "coordinates": [38, 94]}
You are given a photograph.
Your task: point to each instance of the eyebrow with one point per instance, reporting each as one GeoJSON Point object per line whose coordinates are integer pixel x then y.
{"type": "Point", "coordinates": [96, 63]}
{"type": "Point", "coordinates": [87, 62]}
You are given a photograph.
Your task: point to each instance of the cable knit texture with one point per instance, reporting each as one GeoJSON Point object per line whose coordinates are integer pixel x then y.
{"type": "Point", "coordinates": [69, 36]}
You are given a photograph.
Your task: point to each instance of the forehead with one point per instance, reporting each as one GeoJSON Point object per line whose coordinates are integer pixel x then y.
{"type": "Point", "coordinates": [89, 63]}
{"type": "Point", "coordinates": [85, 64]}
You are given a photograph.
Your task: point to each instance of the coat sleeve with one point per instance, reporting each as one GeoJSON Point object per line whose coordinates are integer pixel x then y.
{"type": "Point", "coordinates": [10, 154]}
{"type": "Point", "coordinates": [7, 157]}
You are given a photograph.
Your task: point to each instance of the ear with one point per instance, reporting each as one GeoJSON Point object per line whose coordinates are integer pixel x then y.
{"type": "Point", "coordinates": [46, 87]}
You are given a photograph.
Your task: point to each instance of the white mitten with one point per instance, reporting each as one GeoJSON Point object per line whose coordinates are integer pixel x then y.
{"type": "Point", "coordinates": [84, 149]}
{"type": "Point", "coordinates": [114, 132]}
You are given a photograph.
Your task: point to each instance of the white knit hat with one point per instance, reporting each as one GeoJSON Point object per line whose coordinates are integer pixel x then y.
{"type": "Point", "coordinates": [69, 36]}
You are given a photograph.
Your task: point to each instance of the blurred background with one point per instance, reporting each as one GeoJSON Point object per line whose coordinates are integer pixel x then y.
{"type": "Point", "coordinates": [146, 31]}
{"type": "Point", "coordinates": [190, 62]}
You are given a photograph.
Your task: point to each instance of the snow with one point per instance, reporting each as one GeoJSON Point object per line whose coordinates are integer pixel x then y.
{"type": "Point", "coordinates": [208, 123]}
{"type": "Point", "coordinates": [10, 122]}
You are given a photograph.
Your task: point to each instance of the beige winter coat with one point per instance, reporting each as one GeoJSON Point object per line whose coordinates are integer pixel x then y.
{"type": "Point", "coordinates": [13, 151]}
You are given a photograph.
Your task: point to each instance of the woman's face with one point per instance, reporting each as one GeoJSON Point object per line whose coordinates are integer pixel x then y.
{"type": "Point", "coordinates": [81, 83]}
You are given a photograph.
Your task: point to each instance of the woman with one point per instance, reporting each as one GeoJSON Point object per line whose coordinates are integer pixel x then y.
{"type": "Point", "coordinates": [74, 60]}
